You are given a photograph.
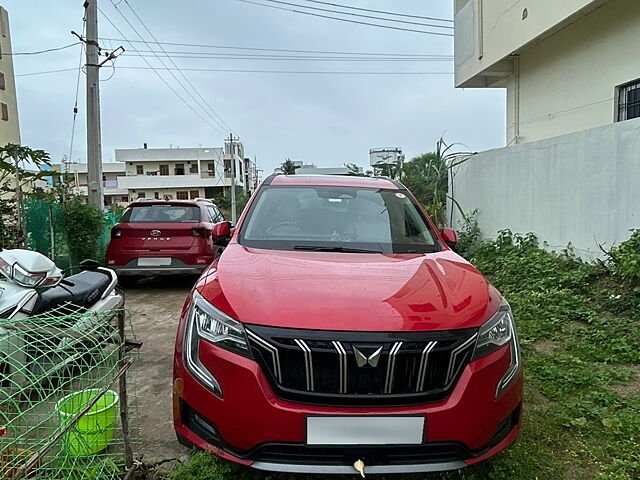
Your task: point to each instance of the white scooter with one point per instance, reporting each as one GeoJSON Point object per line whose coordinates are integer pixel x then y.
{"type": "Point", "coordinates": [33, 287]}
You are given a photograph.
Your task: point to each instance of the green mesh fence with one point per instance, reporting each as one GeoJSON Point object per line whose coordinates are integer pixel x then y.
{"type": "Point", "coordinates": [45, 231]}
{"type": "Point", "coordinates": [62, 376]}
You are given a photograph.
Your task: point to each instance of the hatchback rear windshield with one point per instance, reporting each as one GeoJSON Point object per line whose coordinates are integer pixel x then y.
{"type": "Point", "coordinates": [162, 214]}
{"type": "Point", "coordinates": [341, 219]}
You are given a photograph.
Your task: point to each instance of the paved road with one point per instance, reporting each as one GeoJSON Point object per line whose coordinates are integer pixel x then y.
{"type": "Point", "coordinates": [155, 306]}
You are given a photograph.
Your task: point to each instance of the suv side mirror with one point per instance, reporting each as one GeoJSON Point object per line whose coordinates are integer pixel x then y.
{"type": "Point", "coordinates": [221, 233]}
{"type": "Point", "coordinates": [449, 236]}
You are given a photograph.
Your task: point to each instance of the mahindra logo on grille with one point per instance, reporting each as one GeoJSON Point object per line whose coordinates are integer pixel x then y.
{"type": "Point", "coordinates": [363, 360]}
{"type": "Point", "coordinates": [155, 233]}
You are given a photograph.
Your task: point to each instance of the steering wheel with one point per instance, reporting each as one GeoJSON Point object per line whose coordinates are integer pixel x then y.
{"type": "Point", "coordinates": [271, 229]}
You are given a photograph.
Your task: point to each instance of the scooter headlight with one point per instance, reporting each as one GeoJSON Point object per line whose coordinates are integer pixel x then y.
{"type": "Point", "coordinates": [32, 279]}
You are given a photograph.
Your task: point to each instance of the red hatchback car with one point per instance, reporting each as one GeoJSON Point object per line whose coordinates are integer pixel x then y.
{"type": "Point", "coordinates": [164, 237]}
{"type": "Point", "coordinates": [338, 331]}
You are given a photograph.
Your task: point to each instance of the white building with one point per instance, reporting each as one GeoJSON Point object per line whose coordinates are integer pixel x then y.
{"type": "Point", "coordinates": [9, 126]}
{"type": "Point", "coordinates": [571, 70]}
{"type": "Point", "coordinates": [76, 174]}
{"type": "Point", "coordinates": [567, 65]}
{"type": "Point", "coordinates": [166, 173]}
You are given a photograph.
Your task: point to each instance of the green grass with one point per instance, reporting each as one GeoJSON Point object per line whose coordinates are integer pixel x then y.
{"type": "Point", "coordinates": [581, 351]}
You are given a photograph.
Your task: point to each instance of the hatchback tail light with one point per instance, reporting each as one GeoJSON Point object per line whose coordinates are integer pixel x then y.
{"type": "Point", "coordinates": [116, 232]}
{"type": "Point", "coordinates": [200, 232]}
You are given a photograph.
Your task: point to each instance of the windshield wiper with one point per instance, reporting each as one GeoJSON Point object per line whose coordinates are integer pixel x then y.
{"type": "Point", "coordinates": [422, 250]}
{"type": "Point", "coordinates": [317, 248]}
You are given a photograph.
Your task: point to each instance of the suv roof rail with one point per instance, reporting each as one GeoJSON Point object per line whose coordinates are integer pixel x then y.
{"type": "Point", "coordinates": [144, 199]}
{"type": "Point", "coordinates": [206, 200]}
{"type": "Point", "coordinates": [395, 182]}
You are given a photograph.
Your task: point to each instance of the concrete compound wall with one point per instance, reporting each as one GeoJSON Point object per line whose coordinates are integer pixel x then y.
{"type": "Point", "coordinates": [582, 188]}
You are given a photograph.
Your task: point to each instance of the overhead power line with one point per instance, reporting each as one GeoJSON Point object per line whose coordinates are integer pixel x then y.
{"type": "Point", "coordinates": [283, 50]}
{"type": "Point", "coordinates": [223, 70]}
{"type": "Point", "coordinates": [379, 11]}
{"type": "Point", "coordinates": [151, 67]}
{"type": "Point", "coordinates": [219, 120]}
{"type": "Point", "coordinates": [221, 128]}
{"type": "Point", "coordinates": [38, 52]}
{"type": "Point", "coordinates": [253, 57]}
{"type": "Point", "coordinates": [360, 15]}
{"type": "Point", "coordinates": [60, 70]}
{"type": "Point", "coordinates": [347, 20]}
{"type": "Point", "coordinates": [319, 72]}
{"type": "Point", "coordinates": [75, 105]}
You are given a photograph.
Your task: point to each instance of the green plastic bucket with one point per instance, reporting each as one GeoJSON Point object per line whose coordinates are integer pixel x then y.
{"type": "Point", "coordinates": [94, 430]}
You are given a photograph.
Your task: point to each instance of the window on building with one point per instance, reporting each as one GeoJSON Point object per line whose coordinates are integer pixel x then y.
{"type": "Point", "coordinates": [108, 201]}
{"type": "Point", "coordinates": [5, 111]}
{"type": "Point", "coordinates": [629, 101]}
{"type": "Point", "coordinates": [193, 168]}
{"type": "Point", "coordinates": [182, 195]}
{"type": "Point", "coordinates": [2, 84]}
{"type": "Point", "coordinates": [194, 194]}
{"type": "Point", "coordinates": [211, 168]}
{"type": "Point", "coordinates": [156, 195]}
{"type": "Point", "coordinates": [179, 170]}
{"type": "Point", "coordinates": [141, 195]}
{"type": "Point", "coordinates": [139, 170]}
{"type": "Point", "coordinates": [124, 199]}
{"type": "Point", "coordinates": [227, 168]}
{"type": "Point", "coordinates": [164, 169]}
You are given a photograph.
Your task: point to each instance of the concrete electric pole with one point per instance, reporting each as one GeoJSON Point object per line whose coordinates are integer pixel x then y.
{"type": "Point", "coordinates": [94, 136]}
{"type": "Point", "coordinates": [233, 181]}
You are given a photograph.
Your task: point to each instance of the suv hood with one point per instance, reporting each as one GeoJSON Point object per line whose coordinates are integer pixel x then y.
{"type": "Point", "coordinates": [346, 291]}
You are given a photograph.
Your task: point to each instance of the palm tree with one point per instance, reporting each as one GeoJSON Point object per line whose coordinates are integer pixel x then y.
{"type": "Point", "coordinates": [288, 167]}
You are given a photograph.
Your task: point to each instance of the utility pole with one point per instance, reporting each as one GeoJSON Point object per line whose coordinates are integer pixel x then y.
{"type": "Point", "coordinates": [233, 181]}
{"type": "Point", "coordinates": [94, 140]}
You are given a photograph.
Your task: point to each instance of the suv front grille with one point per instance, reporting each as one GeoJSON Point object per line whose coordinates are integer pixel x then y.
{"type": "Point", "coordinates": [359, 368]}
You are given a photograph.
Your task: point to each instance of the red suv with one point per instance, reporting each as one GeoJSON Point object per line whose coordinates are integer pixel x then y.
{"type": "Point", "coordinates": [338, 331]}
{"type": "Point", "coordinates": [158, 237]}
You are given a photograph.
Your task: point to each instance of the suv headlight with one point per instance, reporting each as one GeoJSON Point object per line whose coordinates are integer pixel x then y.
{"type": "Point", "coordinates": [206, 322]}
{"type": "Point", "coordinates": [499, 331]}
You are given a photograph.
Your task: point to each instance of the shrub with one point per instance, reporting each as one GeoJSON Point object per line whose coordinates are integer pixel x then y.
{"type": "Point", "coordinates": [626, 258]}
{"type": "Point", "coordinates": [203, 466]}
{"type": "Point", "coordinates": [84, 225]}
{"type": "Point", "coordinates": [468, 235]}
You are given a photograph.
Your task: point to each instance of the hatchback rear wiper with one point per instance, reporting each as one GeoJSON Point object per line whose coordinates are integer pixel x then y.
{"type": "Point", "coordinates": [317, 248]}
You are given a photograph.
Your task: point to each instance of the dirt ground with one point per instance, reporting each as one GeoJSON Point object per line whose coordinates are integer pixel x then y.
{"type": "Point", "coordinates": [155, 306]}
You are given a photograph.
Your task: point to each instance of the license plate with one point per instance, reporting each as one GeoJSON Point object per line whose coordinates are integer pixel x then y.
{"type": "Point", "coordinates": [154, 262]}
{"type": "Point", "coordinates": [365, 430]}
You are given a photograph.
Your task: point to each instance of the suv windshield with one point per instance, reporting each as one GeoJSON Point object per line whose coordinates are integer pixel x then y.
{"type": "Point", "coordinates": [162, 214]}
{"type": "Point", "coordinates": [342, 219]}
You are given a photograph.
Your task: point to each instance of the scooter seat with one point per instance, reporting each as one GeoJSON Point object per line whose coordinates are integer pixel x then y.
{"type": "Point", "coordinates": [86, 290]}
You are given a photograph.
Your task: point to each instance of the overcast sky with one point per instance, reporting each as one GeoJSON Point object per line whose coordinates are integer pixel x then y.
{"type": "Point", "coordinates": [326, 119]}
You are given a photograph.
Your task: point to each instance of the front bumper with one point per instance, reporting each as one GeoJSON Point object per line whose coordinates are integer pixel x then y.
{"type": "Point", "coordinates": [252, 426]}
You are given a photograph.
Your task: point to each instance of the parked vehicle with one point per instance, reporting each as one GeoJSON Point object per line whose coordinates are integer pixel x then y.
{"type": "Point", "coordinates": [339, 332]}
{"type": "Point", "coordinates": [31, 286]}
{"type": "Point", "coordinates": [164, 237]}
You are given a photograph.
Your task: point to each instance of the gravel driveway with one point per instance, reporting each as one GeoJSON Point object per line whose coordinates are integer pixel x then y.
{"type": "Point", "coordinates": [155, 307]}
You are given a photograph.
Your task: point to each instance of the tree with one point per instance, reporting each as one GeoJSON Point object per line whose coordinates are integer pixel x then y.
{"type": "Point", "coordinates": [288, 167]}
{"type": "Point", "coordinates": [356, 171]}
{"type": "Point", "coordinates": [427, 176]}
{"type": "Point", "coordinates": [13, 177]}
